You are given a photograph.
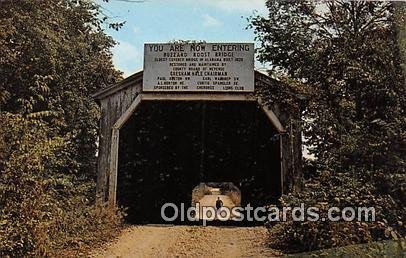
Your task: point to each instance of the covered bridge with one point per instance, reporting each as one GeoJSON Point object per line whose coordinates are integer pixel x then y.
{"type": "Point", "coordinates": [156, 147]}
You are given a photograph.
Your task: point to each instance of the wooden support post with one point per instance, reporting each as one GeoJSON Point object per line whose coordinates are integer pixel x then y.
{"type": "Point", "coordinates": [115, 139]}
{"type": "Point", "coordinates": [113, 166]}
{"type": "Point", "coordinates": [281, 161]}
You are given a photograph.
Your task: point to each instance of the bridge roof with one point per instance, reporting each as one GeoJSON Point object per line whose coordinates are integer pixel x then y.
{"type": "Point", "coordinates": [137, 77]}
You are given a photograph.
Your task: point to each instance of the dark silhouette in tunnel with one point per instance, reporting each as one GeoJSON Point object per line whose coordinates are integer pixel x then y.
{"type": "Point", "coordinates": [167, 147]}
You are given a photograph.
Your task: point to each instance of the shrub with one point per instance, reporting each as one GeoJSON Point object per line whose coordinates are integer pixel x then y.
{"type": "Point", "coordinates": [338, 190]}
{"type": "Point", "coordinates": [43, 205]}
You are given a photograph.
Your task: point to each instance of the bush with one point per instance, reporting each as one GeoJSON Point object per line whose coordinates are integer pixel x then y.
{"type": "Point", "coordinates": [338, 190]}
{"type": "Point", "coordinates": [43, 205]}
{"type": "Point", "coordinates": [84, 227]}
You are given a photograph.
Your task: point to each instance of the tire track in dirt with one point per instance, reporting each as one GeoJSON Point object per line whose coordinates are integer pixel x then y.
{"type": "Point", "coordinates": [189, 241]}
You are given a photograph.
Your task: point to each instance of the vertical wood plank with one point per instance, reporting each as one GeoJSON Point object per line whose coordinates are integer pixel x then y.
{"type": "Point", "coordinates": [281, 162]}
{"type": "Point", "coordinates": [113, 167]}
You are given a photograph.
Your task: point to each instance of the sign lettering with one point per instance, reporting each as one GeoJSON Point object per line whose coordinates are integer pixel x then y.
{"type": "Point", "coordinates": [199, 67]}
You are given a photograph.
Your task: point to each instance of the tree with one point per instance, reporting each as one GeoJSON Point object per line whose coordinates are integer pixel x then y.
{"type": "Point", "coordinates": [53, 55]}
{"type": "Point", "coordinates": [347, 54]}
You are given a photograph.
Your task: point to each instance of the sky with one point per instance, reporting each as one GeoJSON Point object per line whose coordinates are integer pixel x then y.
{"type": "Point", "coordinates": [161, 21]}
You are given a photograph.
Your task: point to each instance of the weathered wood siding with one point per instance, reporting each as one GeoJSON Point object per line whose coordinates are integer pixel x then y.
{"type": "Point", "coordinates": [112, 107]}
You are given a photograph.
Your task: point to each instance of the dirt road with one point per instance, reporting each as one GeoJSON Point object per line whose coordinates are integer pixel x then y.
{"type": "Point", "coordinates": [189, 241]}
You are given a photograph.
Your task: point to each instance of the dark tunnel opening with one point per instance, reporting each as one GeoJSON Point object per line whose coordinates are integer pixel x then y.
{"type": "Point", "coordinates": [167, 148]}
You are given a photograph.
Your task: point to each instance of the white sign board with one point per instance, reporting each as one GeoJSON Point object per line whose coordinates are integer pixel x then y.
{"type": "Point", "coordinates": [199, 67]}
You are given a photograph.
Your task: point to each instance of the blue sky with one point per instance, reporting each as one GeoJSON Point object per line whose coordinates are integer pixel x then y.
{"type": "Point", "coordinates": [165, 20]}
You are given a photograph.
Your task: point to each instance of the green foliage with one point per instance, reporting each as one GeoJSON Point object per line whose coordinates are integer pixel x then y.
{"type": "Point", "coordinates": [346, 54]}
{"type": "Point", "coordinates": [348, 57]}
{"type": "Point", "coordinates": [43, 209]}
{"type": "Point", "coordinates": [29, 158]}
{"type": "Point", "coordinates": [389, 248]}
{"type": "Point", "coordinates": [339, 190]}
{"type": "Point", "coordinates": [53, 55]}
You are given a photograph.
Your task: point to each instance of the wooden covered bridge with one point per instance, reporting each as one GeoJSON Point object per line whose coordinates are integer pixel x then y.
{"type": "Point", "coordinates": [156, 147]}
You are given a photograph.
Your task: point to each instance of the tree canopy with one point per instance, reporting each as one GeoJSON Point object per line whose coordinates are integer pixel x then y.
{"type": "Point", "coordinates": [348, 57]}
{"type": "Point", "coordinates": [53, 55]}
{"type": "Point", "coordinates": [347, 54]}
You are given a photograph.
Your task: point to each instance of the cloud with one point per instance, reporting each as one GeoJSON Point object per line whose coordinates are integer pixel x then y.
{"type": "Point", "coordinates": [210, 21]}
{"type": "Point", "coordinates": [126, 57]}
{"type": "Point", "coordinates": [241, 6]}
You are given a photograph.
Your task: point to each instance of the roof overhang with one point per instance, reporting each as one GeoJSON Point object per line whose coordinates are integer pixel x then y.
{"type": "Point", "coordinates": [137, 78]}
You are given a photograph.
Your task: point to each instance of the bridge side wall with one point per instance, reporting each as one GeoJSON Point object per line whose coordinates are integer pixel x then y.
{"type": "Point", "coordinates": [289, 115]}
{"type": "Point", "coordinates": [112, 107]}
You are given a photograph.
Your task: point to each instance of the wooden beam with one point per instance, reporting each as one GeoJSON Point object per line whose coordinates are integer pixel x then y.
{"type": "Point", "coordinates": [271, 116]}
{"type": "Point", "coordinates": [281, 161]}
{"type": "Point", "coordinates": [198, 96]}
{"type": "Point", "coordinates": [127, 114]}
{"type": "Point", "coordinates": [115, 137]}
{"type": "Point", "coordinates": [113, 166]}
{"type": "Point", "coordinates": [129, 81]}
